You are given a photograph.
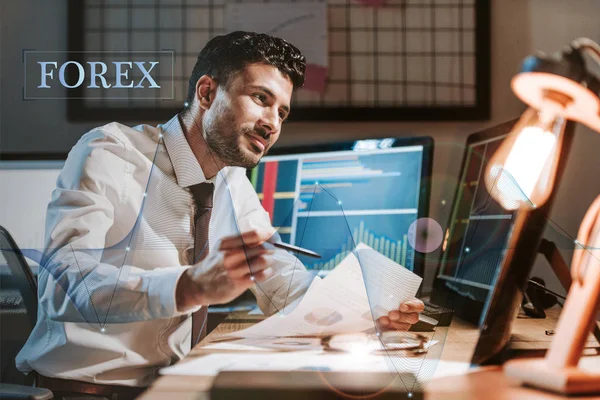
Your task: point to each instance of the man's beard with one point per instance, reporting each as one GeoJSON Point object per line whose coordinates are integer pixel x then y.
{"type": "Point", "coordinates": [226, 142]}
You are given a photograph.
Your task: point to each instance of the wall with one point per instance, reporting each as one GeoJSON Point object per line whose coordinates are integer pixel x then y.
{"type": "Point", "coordinates": [518, 28]}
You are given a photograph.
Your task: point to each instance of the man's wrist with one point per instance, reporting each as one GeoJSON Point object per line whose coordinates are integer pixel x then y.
{"type": "Point", "coordinates": [187, 293]}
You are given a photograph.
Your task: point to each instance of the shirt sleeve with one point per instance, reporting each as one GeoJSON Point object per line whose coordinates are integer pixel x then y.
{"type": "Point", "coordinates": [76, 283]}
{"type": "Point", "coordinates": [290, 280]}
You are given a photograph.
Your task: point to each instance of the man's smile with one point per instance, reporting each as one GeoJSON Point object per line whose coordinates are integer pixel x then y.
{"type": "Point", "coordinates": [259, 144]}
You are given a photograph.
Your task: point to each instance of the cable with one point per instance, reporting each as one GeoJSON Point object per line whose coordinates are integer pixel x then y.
{"type": "Point", "coordinates": [544, 288]}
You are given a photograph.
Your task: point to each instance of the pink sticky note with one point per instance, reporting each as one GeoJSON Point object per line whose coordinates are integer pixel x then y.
{"type": "Point", "coordinates": [372, 3]}
{"type": "Point", "coordinates": [315, 78]}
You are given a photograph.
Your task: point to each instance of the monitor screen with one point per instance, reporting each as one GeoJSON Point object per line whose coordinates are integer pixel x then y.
{"type": "Point", "coordinates": [330, 198]}
{"type": "Point", "coordinates": [476, 235]}
{"type": "Point", "coordinates": [27, 187]}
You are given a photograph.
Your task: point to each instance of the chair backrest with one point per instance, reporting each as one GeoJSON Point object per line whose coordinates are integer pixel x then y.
{"type": "Point", "coordinates": [18, 306]}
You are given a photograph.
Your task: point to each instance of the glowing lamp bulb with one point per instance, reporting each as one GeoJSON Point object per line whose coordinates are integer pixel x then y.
{"type": "Point", "coordinates": [521, 172]}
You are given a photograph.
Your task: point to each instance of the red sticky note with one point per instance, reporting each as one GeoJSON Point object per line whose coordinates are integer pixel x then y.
{"type": "Point", "coordinates": [315, 78]}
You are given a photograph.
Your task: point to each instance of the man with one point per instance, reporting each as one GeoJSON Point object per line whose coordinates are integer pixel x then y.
{"type": "Point", "coordinates": [149, 225]}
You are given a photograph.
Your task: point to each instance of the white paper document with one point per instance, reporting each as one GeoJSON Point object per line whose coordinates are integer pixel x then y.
{"type": "Point", "coordinates": [363, 287]}
{"type": "Point", "coordinates": [268, 344]}
{"type": "Point", "coordinates": [212, 364]}
{"type": "Point", "coordinates": [302, 23]}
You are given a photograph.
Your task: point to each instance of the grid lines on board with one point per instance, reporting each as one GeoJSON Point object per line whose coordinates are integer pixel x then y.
{"type": "Point", "coordinates": [406, 54]}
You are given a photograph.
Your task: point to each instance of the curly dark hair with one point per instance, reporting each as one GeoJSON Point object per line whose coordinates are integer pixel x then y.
{"type": "Point", "coordinates": [225, 55]}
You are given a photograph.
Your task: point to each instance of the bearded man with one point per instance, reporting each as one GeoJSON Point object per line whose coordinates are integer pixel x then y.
{"type": "Point", "coordinates": [149, 225]}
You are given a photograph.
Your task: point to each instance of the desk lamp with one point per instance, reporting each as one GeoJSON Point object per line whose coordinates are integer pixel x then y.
{"type": "Point", "coordinates": [520, 176]}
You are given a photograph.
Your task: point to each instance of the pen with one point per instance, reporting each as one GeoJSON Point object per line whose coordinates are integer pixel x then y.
{"type": "Point", "coordinates": [296, 249]}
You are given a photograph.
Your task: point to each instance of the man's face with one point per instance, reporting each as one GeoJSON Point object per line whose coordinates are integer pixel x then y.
{"type": "Point", "coordinates": [245, 119]}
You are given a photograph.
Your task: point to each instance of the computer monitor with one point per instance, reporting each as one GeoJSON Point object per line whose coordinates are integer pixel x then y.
{"type": "Point", "coordinates": [476, 235]}
{"type": "Point", "coordinates": [27, 186]}
{"type": "Point", "coordinates": [328, 198]}
{"type": "Point", "coordinates": [488, 252]}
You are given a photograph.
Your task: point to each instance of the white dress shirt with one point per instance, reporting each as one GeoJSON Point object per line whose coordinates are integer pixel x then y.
{"type": "Point", "coordinates": [118, 234]}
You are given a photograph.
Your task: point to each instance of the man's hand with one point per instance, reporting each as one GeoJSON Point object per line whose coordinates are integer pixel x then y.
{"type": "Point", "coordinates": [227, 273]}
{"type": "Point", "coordinates": [402, 318]}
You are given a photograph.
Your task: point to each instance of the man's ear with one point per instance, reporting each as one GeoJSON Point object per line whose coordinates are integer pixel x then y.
{"type": "Point", "coordinates": [206, 89]}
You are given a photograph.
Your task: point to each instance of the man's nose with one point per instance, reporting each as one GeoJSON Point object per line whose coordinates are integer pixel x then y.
{"type": "Point", "coordinates": [270, 122]}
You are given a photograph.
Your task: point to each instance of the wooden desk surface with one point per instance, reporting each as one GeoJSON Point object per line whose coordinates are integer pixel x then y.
{"type": "Point", "coordinates": [459, 344]}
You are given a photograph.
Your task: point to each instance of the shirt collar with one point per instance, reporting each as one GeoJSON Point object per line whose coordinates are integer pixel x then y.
{"type": "Point", "coordinates": [187, 169]}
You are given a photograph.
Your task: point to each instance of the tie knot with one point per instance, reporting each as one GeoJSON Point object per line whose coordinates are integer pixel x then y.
{"type": "Point", "coordinates": [203, 194]}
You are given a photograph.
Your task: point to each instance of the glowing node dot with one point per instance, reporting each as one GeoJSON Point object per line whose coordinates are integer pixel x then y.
{"type": "Point", "coordinates": [186, 104]}
{"type": "Point", "coordinates": [102, 330]}
{"type": "Point", "coordinates": [425, 235]}
{"type": "Point", "coordinates": [378, 334]}
{"type": "Point", "coordinates": [443, 202]}
{"type": "Point", "coordinates": [467, 249]}
{"type": "Point", "coordinates": [317, 182]}
{"type": "Point", "coordinates": [340, 202]}
{"type": "Point", "coordinates": [127, 249]}
{"type": "Point", "coordinates": [409, 394]}
{"type": "Point", "coordinates": [251, 278]}
{"type": "Point", "coordinates": [160, 135]}
{"type": "Point", "coordinates": [145, 194]}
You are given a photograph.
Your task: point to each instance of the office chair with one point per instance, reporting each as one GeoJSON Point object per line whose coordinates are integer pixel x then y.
{"type": "Point", "coordinates": [18, 314]}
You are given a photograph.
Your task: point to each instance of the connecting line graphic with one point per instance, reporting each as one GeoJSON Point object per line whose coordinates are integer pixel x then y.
{"type": "Point", "coordinates": [44, 263]}
{"type": "Point", "coordinates": [301, 240]}
{"type": "Point", "coordinates": [85, 284]}
{"type": "Point", "coordinates": [287, 296]}
{"type": "Point", "coordinates": [388, 353]}
{"type": "Point", "coordinates": [578, 245]}
{"type": "Point", "coordinates": [366, 290]}
{"type": "Point", "coordinates": [212, 155]}
{"type": "Point", "coordinates": [487, 203]}
{"type": "Point", "coordinates": [137, 222]}
{"type": "Point", "coordinates": [469, 238]}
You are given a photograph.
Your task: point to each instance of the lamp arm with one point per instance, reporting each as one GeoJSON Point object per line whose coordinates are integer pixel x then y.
{"type": "Point", "coordinates": [589, 222]}
{"type": "Point", "coordinates": [579, 312]}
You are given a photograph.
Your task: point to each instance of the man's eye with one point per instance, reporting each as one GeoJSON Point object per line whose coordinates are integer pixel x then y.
{"type": "Point", "coordinates": [282, 115]}
{"type": "Point", "coordinates": [261, 97]}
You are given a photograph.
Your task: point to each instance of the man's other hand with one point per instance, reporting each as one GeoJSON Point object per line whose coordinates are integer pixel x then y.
{"type": "Point", "coordinates": [403, 318]}
{"type": "Point", "coordinates": [227, 273]}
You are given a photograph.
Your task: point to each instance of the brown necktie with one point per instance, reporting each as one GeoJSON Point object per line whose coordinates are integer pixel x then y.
{"type": "Point", "coordinates": [203, 200]}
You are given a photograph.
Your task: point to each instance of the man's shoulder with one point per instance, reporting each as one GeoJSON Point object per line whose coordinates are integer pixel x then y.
{"type": "Point", "coordinates": [116, 133]}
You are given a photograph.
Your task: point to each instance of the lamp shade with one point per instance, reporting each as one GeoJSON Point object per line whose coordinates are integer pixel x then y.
{"type": "Point", "coordinates": [522, 171]}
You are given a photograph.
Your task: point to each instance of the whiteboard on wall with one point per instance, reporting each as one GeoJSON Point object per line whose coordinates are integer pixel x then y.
{"type": "Point", "coordinates": [403, 60]}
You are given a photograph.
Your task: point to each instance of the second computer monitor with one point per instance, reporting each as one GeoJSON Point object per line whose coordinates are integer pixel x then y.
{"type": "Point", "coordinates": [477, 233]}
{"type": "Point", "coordinates": [329, 198]}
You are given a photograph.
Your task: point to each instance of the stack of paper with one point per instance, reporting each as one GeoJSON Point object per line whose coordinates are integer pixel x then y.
{"type": "Point", "coordinates": [363, 287]}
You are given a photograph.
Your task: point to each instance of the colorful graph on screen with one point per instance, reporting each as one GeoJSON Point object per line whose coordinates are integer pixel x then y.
{"type": "Point", "coordinates": [397, 250]}
{"type": "Point", "coordinates": [329, 202]}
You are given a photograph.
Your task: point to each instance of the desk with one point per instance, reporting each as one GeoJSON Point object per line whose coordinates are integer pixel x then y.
{"type": "Point", "coordinates": [486, 382]}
